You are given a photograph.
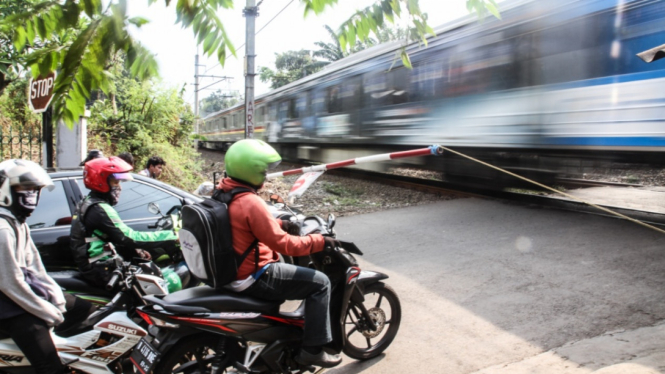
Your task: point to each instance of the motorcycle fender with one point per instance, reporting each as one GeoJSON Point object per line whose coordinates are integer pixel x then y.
{"type": "Point", "coordinates": [365, 278]}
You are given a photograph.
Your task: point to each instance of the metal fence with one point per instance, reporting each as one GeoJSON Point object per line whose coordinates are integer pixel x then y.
{"type": "Point", "coordinates": [23, 142]}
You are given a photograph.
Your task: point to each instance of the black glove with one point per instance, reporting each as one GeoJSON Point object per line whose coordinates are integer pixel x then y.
{"type": "Point", "coordinates": [331, 243]}
{"type": "Point", "coordinates": [292, 228]}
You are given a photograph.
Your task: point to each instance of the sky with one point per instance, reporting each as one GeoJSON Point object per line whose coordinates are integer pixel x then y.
{"type": "Point", "coordinates": [175, 47]}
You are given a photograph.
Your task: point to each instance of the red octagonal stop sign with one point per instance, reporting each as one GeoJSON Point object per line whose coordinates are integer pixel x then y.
{"type": "Point", "coordinates": [40, 92]}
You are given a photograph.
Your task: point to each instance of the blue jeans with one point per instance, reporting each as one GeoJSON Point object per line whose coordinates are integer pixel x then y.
{"type": "Point", "coordinates": [290, 282]}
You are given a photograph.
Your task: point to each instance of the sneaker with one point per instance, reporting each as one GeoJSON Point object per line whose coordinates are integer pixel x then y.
{"type": "Point", "coordinates": [322, 359]}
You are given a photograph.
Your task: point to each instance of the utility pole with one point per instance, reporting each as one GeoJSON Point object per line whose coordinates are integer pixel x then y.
{"type": "Point", "coordinates": [196, 90]}
{"type": "Point", "coordinates": [250, 12]}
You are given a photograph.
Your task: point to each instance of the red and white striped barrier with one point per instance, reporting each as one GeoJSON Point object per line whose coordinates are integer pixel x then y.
{"type": "Point", "coordinates": [431, 150]}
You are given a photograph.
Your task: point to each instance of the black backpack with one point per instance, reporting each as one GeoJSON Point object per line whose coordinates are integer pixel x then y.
{"type": "Point", "coordinates": [206, 243]}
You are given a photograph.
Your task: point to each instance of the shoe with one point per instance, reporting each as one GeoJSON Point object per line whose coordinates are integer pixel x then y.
{"type": "Point", "coordinates": [322, 359]}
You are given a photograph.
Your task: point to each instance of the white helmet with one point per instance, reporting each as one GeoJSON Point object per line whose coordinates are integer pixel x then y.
{"type": "Point", "coordinates": [22, 173]}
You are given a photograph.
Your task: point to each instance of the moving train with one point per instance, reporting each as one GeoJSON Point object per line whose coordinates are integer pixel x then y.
{"type": "Point", "coordinates": [554, 86]}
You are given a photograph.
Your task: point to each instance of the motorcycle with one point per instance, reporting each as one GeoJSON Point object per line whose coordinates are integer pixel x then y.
{"type": "Point", "coordinates": [73, 282]}
{"type": "Point", "coordinates": [200, 330]}
{"type": "Point", "coordinates": [103, 342]}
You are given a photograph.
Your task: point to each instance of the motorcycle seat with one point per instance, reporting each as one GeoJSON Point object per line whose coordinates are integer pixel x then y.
{"type": "Point", "coordinates": [220, 301]}
{"type": "Point", "coordinates": [72, 280]}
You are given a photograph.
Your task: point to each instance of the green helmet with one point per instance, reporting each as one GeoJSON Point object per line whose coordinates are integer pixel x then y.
{"type": "Point", "coordinates": [248, 160]}
{"type": "Point", "coordinates": [172, 280]}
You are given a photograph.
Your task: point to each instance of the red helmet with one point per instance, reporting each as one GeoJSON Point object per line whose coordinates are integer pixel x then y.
{"type": "Point", "coordinates": [97, 172]}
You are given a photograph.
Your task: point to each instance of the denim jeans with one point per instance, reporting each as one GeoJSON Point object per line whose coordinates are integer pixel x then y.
{"type": "Point", "coordinates": [290, 282]}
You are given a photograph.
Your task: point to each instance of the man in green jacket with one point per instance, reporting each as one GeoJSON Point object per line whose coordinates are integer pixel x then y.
{"type": "Point", "coordinates": [96, 224]}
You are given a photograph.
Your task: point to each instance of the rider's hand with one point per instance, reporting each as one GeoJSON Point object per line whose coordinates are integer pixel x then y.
{"type": "Point", "coordinates": [145, 255]}
{"type": "Point", "coordinates": [292, 228]}
{"type": "Point", "coordinates": [331, 243]}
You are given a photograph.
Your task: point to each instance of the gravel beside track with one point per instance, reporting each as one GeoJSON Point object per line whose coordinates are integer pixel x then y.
{"type": "Point", "coordinates": [334, 194]}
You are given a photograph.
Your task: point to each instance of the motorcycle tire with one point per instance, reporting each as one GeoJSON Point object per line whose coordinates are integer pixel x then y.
{"type": "Point", "coordinates": [360, 342]}
{"type": "Point", "coordinates": [191, 355]}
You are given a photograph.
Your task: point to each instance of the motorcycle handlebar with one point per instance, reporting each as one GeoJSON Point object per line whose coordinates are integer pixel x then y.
{"type": "Point", "coordinates": [113, 281]}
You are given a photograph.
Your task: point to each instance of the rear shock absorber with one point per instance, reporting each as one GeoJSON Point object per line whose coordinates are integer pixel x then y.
{"type": "Point", "coordinates": [219, 356]}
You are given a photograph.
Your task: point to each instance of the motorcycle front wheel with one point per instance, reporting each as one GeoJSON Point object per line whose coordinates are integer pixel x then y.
{"type": "Point", "coordinates": [384, 308]}
{"type": "Point", "coordinates": [193, 355]}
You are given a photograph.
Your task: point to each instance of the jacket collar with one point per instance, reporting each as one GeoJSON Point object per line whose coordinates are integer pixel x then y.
{"type": "Point", "coordinates": [227, 184]}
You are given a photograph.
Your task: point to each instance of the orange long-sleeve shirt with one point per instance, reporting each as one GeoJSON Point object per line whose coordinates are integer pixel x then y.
{"type": "Point", "coordinates": [250, 219]}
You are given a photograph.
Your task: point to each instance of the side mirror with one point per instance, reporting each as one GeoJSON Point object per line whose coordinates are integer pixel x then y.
{"type": "Point", "coordinates": [154, 208]}
{"type": "Point", "coordinates": [331, 221]}
{"type": "Point", "coordinates": [276, 199]}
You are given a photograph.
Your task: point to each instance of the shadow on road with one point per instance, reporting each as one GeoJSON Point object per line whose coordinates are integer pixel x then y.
{"type": "Point", "coordinates": [355, 366]}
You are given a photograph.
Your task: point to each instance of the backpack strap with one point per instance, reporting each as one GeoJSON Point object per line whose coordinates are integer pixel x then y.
{"type": "Point", "coordinates": [10, 221]}
{"type": "Point", "coordinates": [226, 198]}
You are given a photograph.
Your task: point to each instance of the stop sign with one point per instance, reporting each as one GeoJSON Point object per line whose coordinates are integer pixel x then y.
{"type": "Point", "coordinates": [40, 92]}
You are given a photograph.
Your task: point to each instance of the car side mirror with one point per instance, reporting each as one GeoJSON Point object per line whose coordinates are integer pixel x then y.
{"type": "Point", "coordinates": [154, 208]}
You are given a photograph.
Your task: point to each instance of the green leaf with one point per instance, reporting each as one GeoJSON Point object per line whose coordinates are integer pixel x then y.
{"type": "Point", "coordinates": [491, 6]}
{"type": "Point", "coordinates": [19, 38]}
{"type": "Point", "coordinates": [406, 61]}
{"type": "Point", "coordinates": [138, 21]}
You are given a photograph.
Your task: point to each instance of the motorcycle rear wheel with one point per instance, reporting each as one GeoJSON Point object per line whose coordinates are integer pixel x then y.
{"type": "Point", "coordinates": [361, 342]}
{"type": "Point", "coordinates": [192, 355]}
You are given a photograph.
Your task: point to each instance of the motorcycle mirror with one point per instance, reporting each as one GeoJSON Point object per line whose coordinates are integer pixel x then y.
{"type": "Point", "coordinates": [276, 199]}
{"type": "Point", "coordinates": [331, 220]}
{"type": "Point", "coordinates": [154, 208]}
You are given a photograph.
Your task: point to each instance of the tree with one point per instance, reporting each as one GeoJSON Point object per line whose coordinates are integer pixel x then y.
{"type": "Point", "coordinates": [333, 51]}
{"type": "Point", "coordinates": [83, 62]}
{"type": "Point", "coordinates": [218, 101]}
{"type": "Point", "coordinates": [291, 66]}
{"type": "Point", "coordinates": [149, 121]}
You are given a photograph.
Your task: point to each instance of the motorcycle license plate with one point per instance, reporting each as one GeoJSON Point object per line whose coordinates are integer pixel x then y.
{"type": "Point", "coordinates": [144, 356]}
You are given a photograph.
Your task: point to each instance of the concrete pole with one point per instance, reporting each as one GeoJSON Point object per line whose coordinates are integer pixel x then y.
{"type": "Point", "coordinates": [196, 91]}
{"type": "Point", "coordinates": [250, 12]}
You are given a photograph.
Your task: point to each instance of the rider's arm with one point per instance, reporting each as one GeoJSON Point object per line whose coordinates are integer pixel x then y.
{"type": "Point", "coordinates": [103, 218]}
{"type": "Point", "coordinates": [270, 233]}
{"type": "Point", "coordinates": [54, 289]}
{"type": "Point", "coordinates": [13, 281]}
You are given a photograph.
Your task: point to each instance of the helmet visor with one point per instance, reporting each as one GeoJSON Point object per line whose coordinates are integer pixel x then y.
{"type": "Point", "coordinates": [273, 165]}
{"type": "Point", "coordinates": [123, 177]}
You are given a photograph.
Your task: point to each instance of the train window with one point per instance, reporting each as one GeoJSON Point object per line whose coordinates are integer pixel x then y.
{"type": "Point", "coordinates": [272, 112]}
{"type": "Point", "coordinates": [283, 112]}
{"type": "Point", "coordinates": [397, 92]}
{"type": "Point", "coordinates": [351, 95]}
{"type": "Point", "coordinates": [260, 114]}
{"type": "Point", "coordinates": [224, 125]}
{"type": "Point", "coordinates": [426, 81]}
{"type": "Point", "coordinates": [293, 109]}
{"type": "Point", "coordinates": [301, 105]}
{"type": "Point", "coordinates": [376, 88]}
{"type": "Point", "coordinates": [319, 102]}
{"type": "Point", "coordinates": [334, 99]}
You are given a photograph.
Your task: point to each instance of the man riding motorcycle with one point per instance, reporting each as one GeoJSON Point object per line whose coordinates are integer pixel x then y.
{"type": "Point", "coordinates": [247, 162]}
{"type": "Point", "coordinates": [30, 300]}
{"type": "Point", "coordinates": [97, 228]}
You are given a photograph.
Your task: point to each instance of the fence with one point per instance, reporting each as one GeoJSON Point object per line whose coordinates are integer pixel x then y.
{"type": "Point", "coordinates": [23, 143]}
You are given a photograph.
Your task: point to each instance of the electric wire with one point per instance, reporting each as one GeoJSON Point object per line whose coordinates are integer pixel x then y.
{"type": "Point", "coordinates": [256, 33]}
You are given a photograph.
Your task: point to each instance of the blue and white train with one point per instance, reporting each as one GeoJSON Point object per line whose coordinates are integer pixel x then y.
{"type": "Point", "coordinates": [553, 81]}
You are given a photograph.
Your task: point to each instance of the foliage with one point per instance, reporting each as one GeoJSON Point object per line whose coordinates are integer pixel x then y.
{"type": "Point", "coordinates": [149, 121]}
{"type": "Point", "coordinates": [333, 51]}
{"type": "Point", "coordinates": [14, 108]}
{"type": "Point", "coordinates": [291, 66]}
{"type": "Point", "coordinates": [10, 59]}
{"type": "Point", "coordinates": [83, 60]}
{"type": "Point", "coordinates": [218, 101]}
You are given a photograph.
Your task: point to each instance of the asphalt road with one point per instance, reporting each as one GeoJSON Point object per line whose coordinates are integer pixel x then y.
{"type": "Point", "coordinates": [489, 286]}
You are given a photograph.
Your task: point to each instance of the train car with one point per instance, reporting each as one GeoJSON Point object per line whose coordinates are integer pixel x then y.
{"type": "Point", "coordinates": [554, 83]}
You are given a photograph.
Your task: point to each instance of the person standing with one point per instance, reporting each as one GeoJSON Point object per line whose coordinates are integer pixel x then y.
{"type": "Point", "coordinates": [153, 167]}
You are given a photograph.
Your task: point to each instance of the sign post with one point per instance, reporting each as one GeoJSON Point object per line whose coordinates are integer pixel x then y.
{"type": "Point", "coordinates": [40, 94]}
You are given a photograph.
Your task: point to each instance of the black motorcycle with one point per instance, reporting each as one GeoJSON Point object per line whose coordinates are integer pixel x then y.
{"type": "Point", "coordinates": [200, 330]}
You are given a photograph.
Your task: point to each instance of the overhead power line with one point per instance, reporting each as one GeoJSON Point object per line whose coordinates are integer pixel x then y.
{"type": "Point", "coordinates": [257, 33]}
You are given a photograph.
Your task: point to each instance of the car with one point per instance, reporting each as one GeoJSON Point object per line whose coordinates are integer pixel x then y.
{"type": "Point", "coordinates": [50, 223]}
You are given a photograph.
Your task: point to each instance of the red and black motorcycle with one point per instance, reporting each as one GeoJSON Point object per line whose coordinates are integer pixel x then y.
{"type": "Point", "coordinates": [200, 330]}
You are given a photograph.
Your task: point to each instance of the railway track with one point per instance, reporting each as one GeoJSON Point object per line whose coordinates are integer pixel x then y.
{"type": "Point", "coordinates": [530, 198]}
